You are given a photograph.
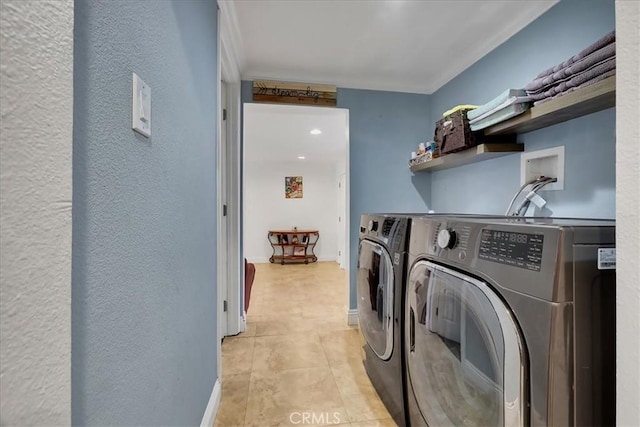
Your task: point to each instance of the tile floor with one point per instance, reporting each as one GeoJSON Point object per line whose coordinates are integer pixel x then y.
{"type": "Point", "coordinates": [298, 363]}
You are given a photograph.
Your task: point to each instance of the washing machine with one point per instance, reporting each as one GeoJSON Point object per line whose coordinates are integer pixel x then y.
{"type": "Point", "coordinates": [510, 322]}
{"type": "Point", "coordinates": [381, 277]}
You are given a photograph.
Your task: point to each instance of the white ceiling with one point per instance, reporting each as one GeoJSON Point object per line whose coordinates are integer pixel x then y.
{"type": "Point", "coordinates": [396, 45]}
{"type": "Point", "coordinates": [280, 133]}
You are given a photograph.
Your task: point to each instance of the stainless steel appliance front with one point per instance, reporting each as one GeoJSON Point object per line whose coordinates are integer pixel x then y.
{"type": "Point", "coordinates": [510, 322]}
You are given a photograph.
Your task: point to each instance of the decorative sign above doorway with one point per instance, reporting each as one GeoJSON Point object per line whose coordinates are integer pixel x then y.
{"type": "Point", "coordinates": [294, 93]}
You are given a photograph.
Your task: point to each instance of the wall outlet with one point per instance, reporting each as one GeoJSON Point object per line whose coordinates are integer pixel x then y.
{"type": "Point", "coordinates": [549, 162]}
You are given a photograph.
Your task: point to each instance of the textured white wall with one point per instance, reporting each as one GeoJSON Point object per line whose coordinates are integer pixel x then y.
{"type": "Point", "coordinates": [628, 209]}
{"type": "Point", "coordinates": [36, 87]}
{"type": "Point", "coordinates": [267, 209]}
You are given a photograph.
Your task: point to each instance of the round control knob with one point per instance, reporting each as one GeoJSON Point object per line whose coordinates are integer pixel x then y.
{"type": "Point", "coordinates": [373, 225]}
{"type": "Point", "coordinates": [447, 238]}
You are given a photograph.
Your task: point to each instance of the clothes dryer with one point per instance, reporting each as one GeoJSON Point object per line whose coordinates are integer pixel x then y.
{"type": "Point", "coordinates": [510, 322]}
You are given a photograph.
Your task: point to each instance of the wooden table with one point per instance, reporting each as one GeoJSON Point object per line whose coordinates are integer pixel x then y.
{"type": "Point", "coordinates": [293, 245]}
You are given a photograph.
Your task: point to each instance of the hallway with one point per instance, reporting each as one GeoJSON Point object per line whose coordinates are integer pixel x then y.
{"type": "Point", "coordinates": [298, 363]}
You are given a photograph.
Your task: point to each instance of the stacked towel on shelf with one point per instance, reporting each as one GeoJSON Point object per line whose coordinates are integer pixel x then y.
{"type": "Point", "coordinates": [509, 103]}
{"type": "Point", "coordinates": [463, 107]}
{"type": "Point", "coordinates": [592, 64]}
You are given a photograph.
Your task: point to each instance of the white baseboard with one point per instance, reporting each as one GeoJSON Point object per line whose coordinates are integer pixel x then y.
{"type": "Point", "coordinates": [210, 413]}
{"type": "Point", "coordinates": [352, 317]}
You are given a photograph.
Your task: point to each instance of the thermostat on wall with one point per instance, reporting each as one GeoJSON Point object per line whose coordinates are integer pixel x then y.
{"type": "Point", "coordinates": [141, 106]}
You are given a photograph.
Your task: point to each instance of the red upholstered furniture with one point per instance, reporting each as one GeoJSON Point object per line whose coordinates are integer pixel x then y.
{"type": "Point", "coordinates": [249, 274]}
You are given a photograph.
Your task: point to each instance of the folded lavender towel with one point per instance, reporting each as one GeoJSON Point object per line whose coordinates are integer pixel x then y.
{"type": "Point", "coordinates": [547, 90]}
{"type": "Point", "coordinates": [583, 64]}
{"type": "Point", "coordinates": [542, 95]}
{"type": "Point", "coordinates": [592, 73]}
{"type": "Point", "coordinates": [585, 84]}
{"type": "Point", "coordinates": [606, 68]}
{"type": "Point", "coordinates": [598, 44]}
{"type": "Point", "coordinates": [599, 55]}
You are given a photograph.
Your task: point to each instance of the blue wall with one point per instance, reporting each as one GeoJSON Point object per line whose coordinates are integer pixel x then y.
{"type": "Point", "coordinates": [144, 214]}
{"type": "Point", "coordinates": [384, 128]}
{"type": "Point", "coordinates": [487, 187]}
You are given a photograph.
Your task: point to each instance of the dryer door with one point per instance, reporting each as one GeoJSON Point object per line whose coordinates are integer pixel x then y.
{"type": "Point", "coordinates": [464, 352]}
{"type": "Point", "coordinates": [375, 297]}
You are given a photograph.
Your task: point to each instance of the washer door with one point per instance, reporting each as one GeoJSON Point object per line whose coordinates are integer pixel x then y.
{"type": "Point", "coordinates": [464, 352]}
{"type": "Point", "coordinates": [375, 297]}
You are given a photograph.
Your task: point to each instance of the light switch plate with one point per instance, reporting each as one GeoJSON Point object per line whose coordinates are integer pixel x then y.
{"type": "Point", "coordinates": [141, 113]}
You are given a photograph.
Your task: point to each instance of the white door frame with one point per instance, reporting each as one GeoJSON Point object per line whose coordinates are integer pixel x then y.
{"type": "Point", "coordinates": [351, 315]}
{"type": "Point", "coordinates": [232, 321]}
{"type": "Point", "coordinates": [343, 233]}
{"type": "Point", "coordinates": [235, 322]}
{"type": "Point", "coordinates": [222, 243]}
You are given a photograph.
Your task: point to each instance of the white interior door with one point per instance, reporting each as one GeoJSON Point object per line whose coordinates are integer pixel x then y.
{"type": "Point", "coordinates": [342, 215]}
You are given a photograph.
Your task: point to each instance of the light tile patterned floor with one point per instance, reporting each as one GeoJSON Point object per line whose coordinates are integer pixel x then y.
{"type": "Point", "coordinates": [298, 363]}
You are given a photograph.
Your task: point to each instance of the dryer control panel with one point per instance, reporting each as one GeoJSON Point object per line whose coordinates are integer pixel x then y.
{"type": "Point", "coordinates": [525, 255]}
{"type": "Point", "coordinates": [523, 250]}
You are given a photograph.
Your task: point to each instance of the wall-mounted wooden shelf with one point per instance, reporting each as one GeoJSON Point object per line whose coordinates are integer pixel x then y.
{"type": "Point", "coordinates": [583, 101]}
{"type": "Point", "coordinates": [472, 155]}
{"type": "Point", "coordinates": [587, 100]}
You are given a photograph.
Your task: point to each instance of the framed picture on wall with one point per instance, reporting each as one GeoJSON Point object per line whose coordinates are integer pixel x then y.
{"type": "Point", "coordinates": [293, 187]}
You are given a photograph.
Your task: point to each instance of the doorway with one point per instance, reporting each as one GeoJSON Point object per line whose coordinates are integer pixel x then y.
{"type": "Point", "coordinates": [309, 144]}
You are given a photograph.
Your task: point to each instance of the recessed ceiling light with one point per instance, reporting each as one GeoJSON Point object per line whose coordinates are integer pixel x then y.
{"type": "Point", "coordinates": [315, 132]}
{"type": "Point", "coordinates": [301, 157]}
